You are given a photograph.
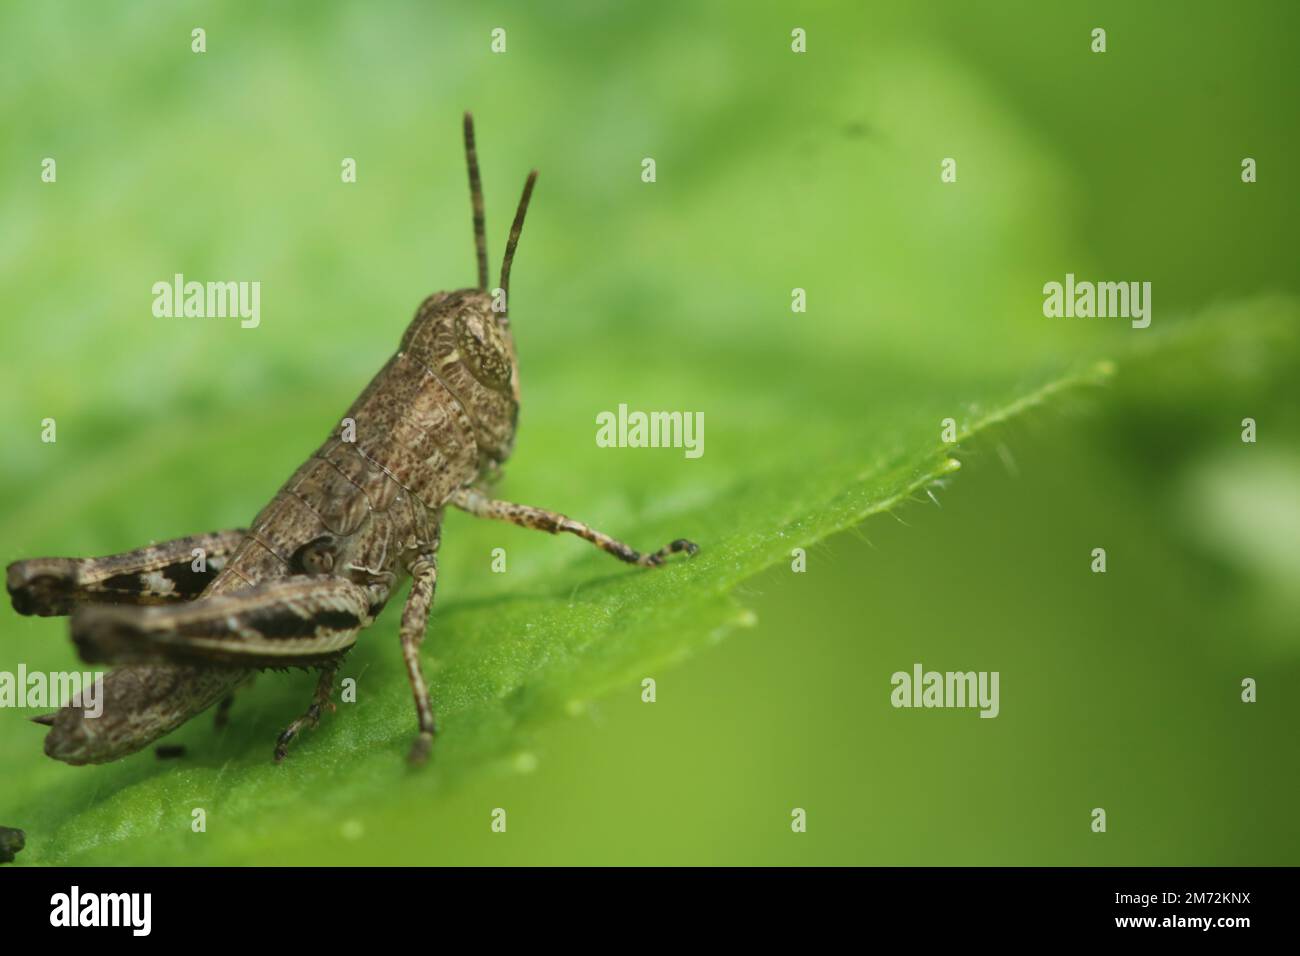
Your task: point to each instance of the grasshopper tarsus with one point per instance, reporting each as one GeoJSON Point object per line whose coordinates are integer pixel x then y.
{"type": "Point", "coordinates": [421, 747]}
{"type": "Point", "coordinates": [287, 736]}
{"type": "Point", "coordinates": [676, 547]}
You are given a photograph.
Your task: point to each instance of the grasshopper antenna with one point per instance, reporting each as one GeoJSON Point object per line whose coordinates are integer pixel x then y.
{"type": "Point", "coordinates": [476, 198]}
{"type": "Point", "coordinates": [513, 241]}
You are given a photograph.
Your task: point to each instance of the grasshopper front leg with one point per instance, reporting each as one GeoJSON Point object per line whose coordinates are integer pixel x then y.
{"type": "Point", "coordinates": [163, 573]}
{"type": "Point", "coordinates": [481, 506]}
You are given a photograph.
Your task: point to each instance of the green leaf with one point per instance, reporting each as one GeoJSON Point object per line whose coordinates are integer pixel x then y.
{"type": "Point", "coordinates": [666, 296]}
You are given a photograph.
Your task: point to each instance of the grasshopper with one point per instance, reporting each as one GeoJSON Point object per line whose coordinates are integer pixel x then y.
{"type": "Point", "coordinates": [319, 563]}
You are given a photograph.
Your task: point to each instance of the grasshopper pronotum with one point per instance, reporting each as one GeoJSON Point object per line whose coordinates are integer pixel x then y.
{"type": "Point", "coordinates": [321, 560]}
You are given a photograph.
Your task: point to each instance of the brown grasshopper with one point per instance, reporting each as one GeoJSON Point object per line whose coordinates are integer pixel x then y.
{"type": "Point", "coordinates": [190, 620]}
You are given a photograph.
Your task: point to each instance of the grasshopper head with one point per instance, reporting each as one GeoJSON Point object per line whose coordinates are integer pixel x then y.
{"type": "Point", "coordinates": [458, 337]}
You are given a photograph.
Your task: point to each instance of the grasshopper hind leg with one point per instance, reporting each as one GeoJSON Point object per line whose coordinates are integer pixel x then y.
{"type": "Point", "coordinates": [165, 573]}
{"type": "Point", "coordinates": [298, 621]}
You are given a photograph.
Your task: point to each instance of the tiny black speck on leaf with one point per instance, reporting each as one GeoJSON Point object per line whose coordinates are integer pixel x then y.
{"type": "Point", "coordinates": [11, 843]}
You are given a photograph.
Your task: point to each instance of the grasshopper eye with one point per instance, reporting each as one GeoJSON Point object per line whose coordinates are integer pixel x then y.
{"type": "Point", "coordinates": [483, 351]}
{"type": "Point", "coordinates": [315, 557]}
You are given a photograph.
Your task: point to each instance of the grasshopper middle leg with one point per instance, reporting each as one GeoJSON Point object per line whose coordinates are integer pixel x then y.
{"type": "Point", "coordinates": [478, 504]}
{"type": "Point", "coordinates": [415, 620]}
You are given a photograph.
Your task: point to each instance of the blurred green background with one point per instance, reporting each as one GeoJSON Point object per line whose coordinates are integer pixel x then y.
{"type": "Point", "coordinates": [775, 171]}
